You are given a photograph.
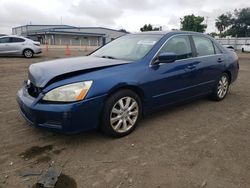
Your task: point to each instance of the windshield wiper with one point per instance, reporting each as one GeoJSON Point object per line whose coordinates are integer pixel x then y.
{"type": "Point", "coordinates": [108, 57]}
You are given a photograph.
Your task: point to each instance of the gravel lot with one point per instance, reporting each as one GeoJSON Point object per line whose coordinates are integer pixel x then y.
{"type": "Point", "coordinates": [200, 144]}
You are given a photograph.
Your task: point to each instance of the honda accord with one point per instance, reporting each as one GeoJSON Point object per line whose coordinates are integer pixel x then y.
{"type": "Point", "coordinates": [113, 87]}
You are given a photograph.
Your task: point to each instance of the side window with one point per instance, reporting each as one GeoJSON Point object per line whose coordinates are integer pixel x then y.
{"type": "Point", "coordinates": [204, 46]}
{"type": "Point", "coordinates": [5, 40]}
{"type": "Point", "coordinates": [179, 45]}
{"type": "Point", "coordinates": [217, 50]}
{"type": "Point", "coordinates": [14, 39]}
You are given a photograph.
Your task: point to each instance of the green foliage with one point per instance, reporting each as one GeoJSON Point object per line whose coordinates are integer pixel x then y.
{"type": "Point", "coordinates": [123, 30]}
{"type": "Point", "coordinates": [223, 21]}
{"type": "Point", "coordinates": [236, 24]}
{"type": "Point", "coordinates": [193, 23]}
{"type": "Point", "coordinates": [149, 27]}
{"type": "Point", "coordinates": [213, 34]}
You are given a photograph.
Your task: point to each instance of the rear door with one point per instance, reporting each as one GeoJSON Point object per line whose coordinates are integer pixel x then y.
{"type": "Point", "coordinates": [210, 66]}
{"type": "Point", "coordinates": [5, 47]}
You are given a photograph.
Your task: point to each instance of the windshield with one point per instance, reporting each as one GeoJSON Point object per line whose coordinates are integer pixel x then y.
{"type": "Point", "coordinates": [128, 47]}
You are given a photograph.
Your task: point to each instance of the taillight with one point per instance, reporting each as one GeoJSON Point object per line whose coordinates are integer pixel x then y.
{"type": "Point", "coordinates": [37, 44]}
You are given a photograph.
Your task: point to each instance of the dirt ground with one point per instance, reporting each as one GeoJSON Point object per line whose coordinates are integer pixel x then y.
{"type": "Point", "coordinates": [196, 145]}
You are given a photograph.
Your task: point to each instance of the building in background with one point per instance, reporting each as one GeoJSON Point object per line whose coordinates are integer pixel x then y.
{"type": "Point", "coordinates": [68, 35]}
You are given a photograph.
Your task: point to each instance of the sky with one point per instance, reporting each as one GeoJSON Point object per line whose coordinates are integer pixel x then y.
{"type": "Point", "coordinates": [116, 14]}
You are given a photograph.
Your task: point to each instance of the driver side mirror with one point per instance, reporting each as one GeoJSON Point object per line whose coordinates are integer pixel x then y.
{"type": "Point", "coordinates": [167, 57]}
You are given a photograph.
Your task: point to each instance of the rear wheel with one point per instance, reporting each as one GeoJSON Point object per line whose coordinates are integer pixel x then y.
{"type": "Point", "coordinates": [243, 50]}
{"type": "Point", "coordinates": [121, 114]}
{"type": "Point", "coordinates": [28, 53]}
{"type": "Point", "coordinates": [222, 87]}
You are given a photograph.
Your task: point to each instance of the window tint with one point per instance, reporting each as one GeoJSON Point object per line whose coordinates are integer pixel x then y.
{"type": "Point", "coordinates": [179, 45]}
{"type": "Point", "coordinates": [5, 40]}
{"type": "Point", "coordinates": [217, 50]}
{"type": "Point", "coordinates": [204, 46]}
{"type": "Point", "coordinates": [14, 39]}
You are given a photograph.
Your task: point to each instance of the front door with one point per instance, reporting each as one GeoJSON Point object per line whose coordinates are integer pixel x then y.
{"type": "Point", "coordinates": [173, 82]}
{"type": "Point", "coordinates": [5, 46]}
{"type": "Point", "coordinates": [16, 45]}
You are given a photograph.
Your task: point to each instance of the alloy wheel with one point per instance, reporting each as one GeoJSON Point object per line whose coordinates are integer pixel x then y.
{"type": "Point", "coordinates": [222, 86]}
{"type": "Point", "coordinates": [124, 114]}
{"type": "Point", "coordinates": [28, 53]}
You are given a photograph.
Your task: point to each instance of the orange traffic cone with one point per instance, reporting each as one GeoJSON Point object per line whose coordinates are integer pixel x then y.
{"type": "Point", "coordinates": [68, 50]}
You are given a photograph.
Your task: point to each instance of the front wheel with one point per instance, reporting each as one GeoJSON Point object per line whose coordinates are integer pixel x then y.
{"type": "Point", "coordinates": [121, 113]}
{"type": "Point", "coordinates": [242, 50]}
{"type": "Point", "coordinates": [221, 90]}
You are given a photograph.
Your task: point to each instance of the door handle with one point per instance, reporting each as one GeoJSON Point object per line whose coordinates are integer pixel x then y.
{"type": "Point", "coordinates": [219, 60]}
{"type": "Point", "coordinates": [191, 66]}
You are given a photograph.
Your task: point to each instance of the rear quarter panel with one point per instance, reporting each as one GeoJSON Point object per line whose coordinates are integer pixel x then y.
{"type": "Point", "coordinates": [232, 64]}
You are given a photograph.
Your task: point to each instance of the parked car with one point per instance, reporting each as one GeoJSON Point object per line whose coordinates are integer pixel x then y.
{"type": "Point", "coordinates": [245, 48]}
{"type": "Point", "coordinates": [14, 45]}
{"type": "Point", "coordinates": [131, 76]}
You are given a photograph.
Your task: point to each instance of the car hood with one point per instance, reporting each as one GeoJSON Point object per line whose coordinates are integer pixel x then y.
{"type": "Point", "coordinates": [41, 73]}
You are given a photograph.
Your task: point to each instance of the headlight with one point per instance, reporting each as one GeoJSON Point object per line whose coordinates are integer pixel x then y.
{"type": "Point", "coordinates": [69, 93]}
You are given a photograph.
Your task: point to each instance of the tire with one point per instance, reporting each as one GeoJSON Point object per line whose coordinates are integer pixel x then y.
{"type": "Point", "coordinates": [222, 86]}
{"type": "Point", "coordinates": [28, 53]}
{"type": "Point", "coordinates": [121, 113]}
{"type": "Point", "coordinates": [242, 50]}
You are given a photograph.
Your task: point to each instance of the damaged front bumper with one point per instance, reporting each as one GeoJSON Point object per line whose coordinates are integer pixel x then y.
{"type": "Point", "coordinates": [66, 117]}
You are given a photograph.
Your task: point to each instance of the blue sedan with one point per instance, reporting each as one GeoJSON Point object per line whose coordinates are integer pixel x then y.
{"type": "Point", "coordinates": [131, 76]}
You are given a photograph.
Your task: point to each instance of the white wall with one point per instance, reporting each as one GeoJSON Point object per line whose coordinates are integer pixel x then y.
{"type": "Point", "coordinates": [235, 42]}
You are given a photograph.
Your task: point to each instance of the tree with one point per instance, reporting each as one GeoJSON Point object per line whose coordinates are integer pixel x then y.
{"type": "Point", "coordinates": [193, 23]}
{"type": "Point", "coordinates": [223, 21]}
{"type": "Point", "coordinates": [146, 27]}
{"type": "Point", "coordinates": [213, 34]}
{"type": "Point", "coordinates": [149, 27]}
{"type": "Point", "coordinates": [236, 24]}
{"type": "Point", "coordinates": [123, 30]}
{"type": "Point", "coordinates": [242, 22]}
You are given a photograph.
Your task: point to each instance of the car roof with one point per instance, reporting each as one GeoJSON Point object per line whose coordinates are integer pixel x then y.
{"type": "Point", "coordinates": [168, 32]}
{"type": "Point", "coordinates": [12, 36]}
{"type": "Point", "coordinates": [152, 33]}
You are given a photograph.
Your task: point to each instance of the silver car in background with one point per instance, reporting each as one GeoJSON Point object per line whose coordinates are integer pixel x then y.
{"type": "Point", "coordinates": [15, 45]}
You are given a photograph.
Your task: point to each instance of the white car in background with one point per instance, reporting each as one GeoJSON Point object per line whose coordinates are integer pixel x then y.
{"type": "Point", "coordinates": [245, 48]}
{"type": "Point", "coordinates": [15, 45]}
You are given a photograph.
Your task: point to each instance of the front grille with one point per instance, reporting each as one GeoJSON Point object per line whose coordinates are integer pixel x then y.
{"type": "Point", "coordinates": [33, 90]}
